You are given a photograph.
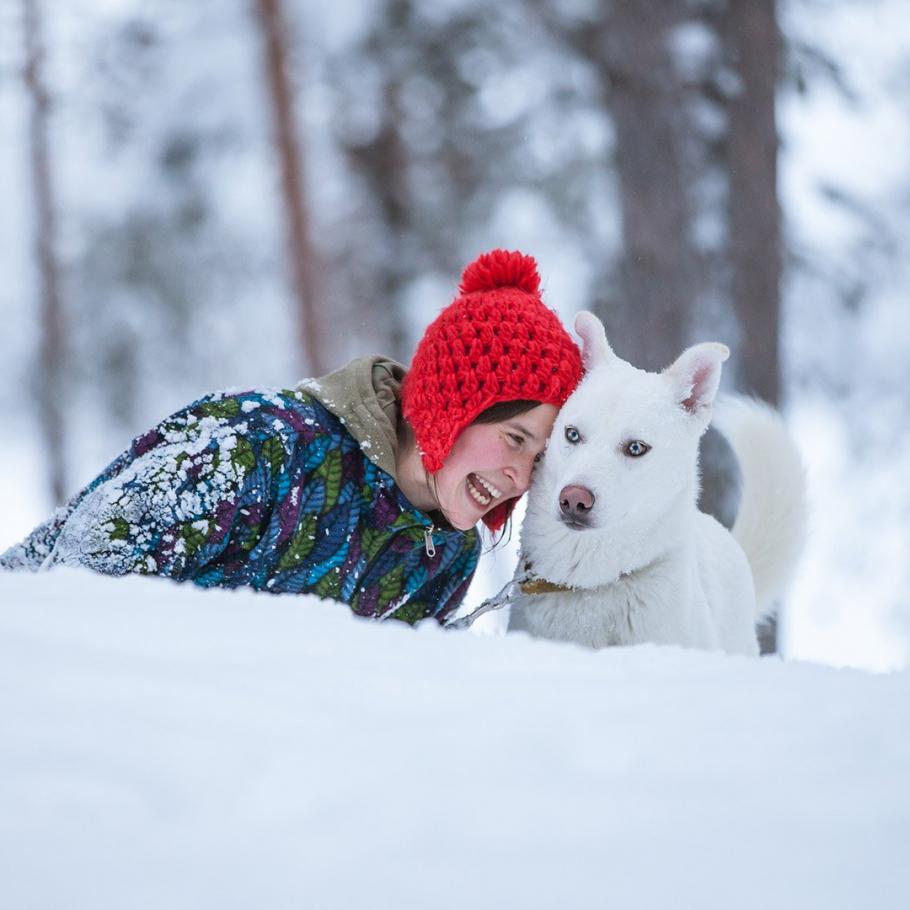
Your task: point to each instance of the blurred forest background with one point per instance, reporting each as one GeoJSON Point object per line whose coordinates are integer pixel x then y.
{"type": "Point", "coordinates": [202, 195]}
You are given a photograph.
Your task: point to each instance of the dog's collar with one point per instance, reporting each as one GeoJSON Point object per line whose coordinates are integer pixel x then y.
{"type": "Point", "coordinates": [531, 584]}
{"type": "Point", "coordinates": [542, 586]}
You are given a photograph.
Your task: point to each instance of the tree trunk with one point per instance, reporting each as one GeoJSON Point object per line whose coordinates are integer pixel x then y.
{"type": "Point", "coordinates": [385, 162]}
{"type": "Point", "coordinates": [50, 383]}
{"type": "Point", "coordinates": [755, 240]}
{"type": "Point", "coordinates": [393, 49]}
{"type": "Point", "coordinates": [303, 258]}
{"type": "Point", "coordinates": [657, 266]}
{"type": "Point", "coordinates": [393, 196]}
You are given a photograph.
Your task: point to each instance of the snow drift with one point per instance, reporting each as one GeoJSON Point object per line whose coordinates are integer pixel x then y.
{"type": "Point", "coordinates": [164, 746]}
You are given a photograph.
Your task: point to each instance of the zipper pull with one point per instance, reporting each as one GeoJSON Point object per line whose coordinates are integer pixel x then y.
{"type": "Point", "coordinates": [428, 544]}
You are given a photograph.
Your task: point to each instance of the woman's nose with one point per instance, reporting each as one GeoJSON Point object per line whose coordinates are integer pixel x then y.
{"type": "Point", "coordinates": [521, 472]}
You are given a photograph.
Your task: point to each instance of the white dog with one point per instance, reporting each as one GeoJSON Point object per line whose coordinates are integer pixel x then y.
{"type": "Point", "coordinates": [617, 550]}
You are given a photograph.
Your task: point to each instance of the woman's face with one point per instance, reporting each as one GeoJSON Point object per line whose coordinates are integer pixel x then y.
{"type": "Point", "coordinates": [490, 463]}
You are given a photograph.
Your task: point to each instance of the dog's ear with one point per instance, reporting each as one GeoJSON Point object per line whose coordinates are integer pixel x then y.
{"type": "Point", "coordinates": [695, 376]}
{"type": "Point", "coordinates": [594, 347]}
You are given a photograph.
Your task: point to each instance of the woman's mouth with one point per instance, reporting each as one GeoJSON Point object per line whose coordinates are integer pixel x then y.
{"type": "Point", "coordinates": [481, 491]}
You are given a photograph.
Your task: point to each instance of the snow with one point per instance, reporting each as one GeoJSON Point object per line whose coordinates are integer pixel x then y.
{"type": "Point", "coordinates": [165, 746]}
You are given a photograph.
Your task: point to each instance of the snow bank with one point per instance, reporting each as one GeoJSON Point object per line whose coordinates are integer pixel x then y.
{"type": "Point", "coordinates": [162, 746]}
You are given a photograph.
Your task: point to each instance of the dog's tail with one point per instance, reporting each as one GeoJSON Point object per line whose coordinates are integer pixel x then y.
{"type": "Point", "coordinates": [773, 512]}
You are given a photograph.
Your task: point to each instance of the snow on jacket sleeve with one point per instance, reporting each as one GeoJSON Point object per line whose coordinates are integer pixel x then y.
{"type": "Point", "coordinates": [174, 500]}
{"type": "Point", "coordinates": [196, 488]}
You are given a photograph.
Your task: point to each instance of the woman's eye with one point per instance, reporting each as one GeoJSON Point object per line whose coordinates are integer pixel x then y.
{"type": "Point", "coordinates": [573, 436]}
{"type": "Point", "coordinates": [518, 440]}
{"type": "Point", "coordinates": [636, 448]}
{"type": "Point", "coordinates": [538, 458]}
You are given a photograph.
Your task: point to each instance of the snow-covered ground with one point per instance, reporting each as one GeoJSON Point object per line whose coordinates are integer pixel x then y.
{"type": "Point", "coordinates": [162, 746]}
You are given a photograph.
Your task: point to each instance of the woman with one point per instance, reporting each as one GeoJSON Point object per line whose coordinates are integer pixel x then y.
{"type": "Point", "coordinates": [363, 486]}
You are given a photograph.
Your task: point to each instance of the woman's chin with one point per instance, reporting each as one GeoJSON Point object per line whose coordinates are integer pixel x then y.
{"type": "Point", "coordinates": [465, 517]}
{"type": "Point", "coordinates": [463, 522]}
{"type": "Point", "coordinates": [465, 512]}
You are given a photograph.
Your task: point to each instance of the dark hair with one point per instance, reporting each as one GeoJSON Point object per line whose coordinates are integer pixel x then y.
{"type": "Point", "coordinates": [504, 410]}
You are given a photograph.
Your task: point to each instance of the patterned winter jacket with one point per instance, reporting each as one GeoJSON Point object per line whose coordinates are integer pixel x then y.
{"type": "Point", "coordinates": [267, 489]}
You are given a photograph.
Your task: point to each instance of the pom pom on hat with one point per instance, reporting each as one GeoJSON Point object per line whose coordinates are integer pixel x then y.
{"type": "Point", "coordinates": [501, 269]}
{"type": "Point", "coordinates": [495, 342]}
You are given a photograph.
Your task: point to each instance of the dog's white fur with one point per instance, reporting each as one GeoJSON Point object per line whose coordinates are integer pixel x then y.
{"type": "Point", "coordinates": [651, 567]}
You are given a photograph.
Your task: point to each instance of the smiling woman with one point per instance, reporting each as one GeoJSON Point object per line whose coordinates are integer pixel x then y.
{"type": "Point", "coordinates": [363, 486]}
{"type": "Point", "coordinates": [488, 466]}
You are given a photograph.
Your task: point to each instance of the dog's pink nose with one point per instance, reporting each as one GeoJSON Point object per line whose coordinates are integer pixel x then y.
{"type": "Point", "coordinates": [576, 500]}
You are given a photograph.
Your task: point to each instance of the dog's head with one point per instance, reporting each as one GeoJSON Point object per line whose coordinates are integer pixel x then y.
{"type": "Point", "coordinates": [620, 468]}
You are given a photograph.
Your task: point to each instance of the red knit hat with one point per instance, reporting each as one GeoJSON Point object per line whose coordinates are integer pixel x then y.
{"type": "Point", "coordinates": [495, 342]}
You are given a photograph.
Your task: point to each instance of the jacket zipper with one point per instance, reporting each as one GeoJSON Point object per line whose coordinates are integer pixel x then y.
{"type": "Point", "coordinates": [429, 547]}
{"type": "Point", "coordinates": [428, 544]}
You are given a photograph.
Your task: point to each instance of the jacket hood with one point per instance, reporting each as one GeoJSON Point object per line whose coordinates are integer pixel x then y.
{"type": "Point", "coordinates": [365, 395]}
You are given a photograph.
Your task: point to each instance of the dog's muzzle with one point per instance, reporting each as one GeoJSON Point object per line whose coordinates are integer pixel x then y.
{"type": "Point", "coordinates": [575, 505]}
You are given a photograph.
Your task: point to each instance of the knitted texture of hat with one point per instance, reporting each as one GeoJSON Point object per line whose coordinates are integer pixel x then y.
{"type": "Point", "coordinates": [497, 341]}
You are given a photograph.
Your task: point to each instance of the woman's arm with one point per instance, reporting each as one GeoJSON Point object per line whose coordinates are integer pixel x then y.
{"type": "Point", "coordinates": [201, 483]}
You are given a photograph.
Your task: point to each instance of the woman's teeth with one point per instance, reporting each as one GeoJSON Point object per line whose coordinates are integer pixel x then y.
{"type": "Point", "coordinates": [481, 491]}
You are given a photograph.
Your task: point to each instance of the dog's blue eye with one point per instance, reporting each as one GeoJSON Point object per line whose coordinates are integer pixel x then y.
{"type": "Point", "coordinates": [636, 448]}
{"type": "Point", "coordinates": [573, 436]}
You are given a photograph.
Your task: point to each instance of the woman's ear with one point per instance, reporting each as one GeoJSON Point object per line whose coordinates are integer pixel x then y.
{"type": "Point", "coordinates": [594, 347]}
